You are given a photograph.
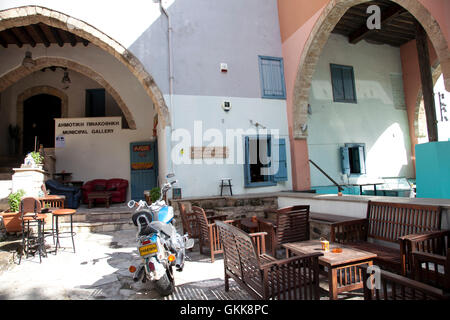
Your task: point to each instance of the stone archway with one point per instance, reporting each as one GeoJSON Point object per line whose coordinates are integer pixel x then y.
{"type": "Point", "coordinates": [20, 72]}
{"type": "Point", "coordinates": [27, 15]}
{"type": "Point", "coordinates": [318, 37]}
{"type": "Point", "coordinates": [33, 91]}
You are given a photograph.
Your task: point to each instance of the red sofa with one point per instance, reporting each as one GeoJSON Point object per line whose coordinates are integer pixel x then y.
{"type": "Point", "coordinates": [117, 187]}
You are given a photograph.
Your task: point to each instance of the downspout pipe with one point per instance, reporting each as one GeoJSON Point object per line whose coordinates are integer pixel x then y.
{"type": "Point", "coordinates": [169, 31]}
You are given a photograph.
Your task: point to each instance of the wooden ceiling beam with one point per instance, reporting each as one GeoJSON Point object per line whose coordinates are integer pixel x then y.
{"type": "Point", "coordinates": [41, 35]}
{"type": "Point", "coordinates": [15, 38]}
{"type": "Point", "coordinates": [57, 36]}
{"type": "Point", "coordinates": [23, 31]}
{"type": "Point", "coordinates": [73, 40]}
{"type": "Point", "coordinates": [386, 16]}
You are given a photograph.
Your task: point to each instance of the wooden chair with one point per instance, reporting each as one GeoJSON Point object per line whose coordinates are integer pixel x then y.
{"type": "Point", "coordinates": [189, 221]}
{"type": "Point", "coordinates": [392, 286]}
{"type": "Point", "coordinates": [429, 254]}
{"type": "Point", "coordinates": [263, 276]}
{"type": "Point", "coordinates": [207, 230]}
{"type": "Point", "coordinates": [292, 225]}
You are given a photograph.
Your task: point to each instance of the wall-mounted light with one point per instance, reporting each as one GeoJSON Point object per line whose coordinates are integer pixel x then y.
{"type": "Point", "coordinates": [66, 80]}
{"type": "Point", "coordinates": [28, 61]}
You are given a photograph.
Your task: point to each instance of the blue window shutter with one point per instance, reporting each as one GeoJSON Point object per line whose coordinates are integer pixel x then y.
{"type": "Point", "coordinates": [345, 160]}
{"type": "Point", "coordinates": [337, 83]}
{"type": "Point", "coordinates": [349, 84]}
{"type": "Point", "coordinates": [272, 77]}
{"type": "Point", "coordinates": [282, 174]}
{"type": "Point", "coordinates": [362, 162]}
{"type": "Point", "coordinates": [247, 162]}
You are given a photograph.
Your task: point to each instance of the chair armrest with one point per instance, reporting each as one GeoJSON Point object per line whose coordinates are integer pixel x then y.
{"type": "Point", "coordinates": [258, 239]}
{"type": "Point", "coordinates": [349, 231]}
{"type": "Point", "coordinates": [429, 257]}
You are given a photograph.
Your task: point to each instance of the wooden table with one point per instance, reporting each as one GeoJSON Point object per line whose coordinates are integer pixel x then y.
{"type": "Point", "coordinates": [105, 195]}
{"type": "Point", "coordinates": [343, 274]}
{"type": "Point", "coordinates": [252, 226]}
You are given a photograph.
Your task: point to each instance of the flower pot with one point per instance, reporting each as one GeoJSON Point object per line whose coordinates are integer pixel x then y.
{"type": "Point", "coordinates": [12, 221]}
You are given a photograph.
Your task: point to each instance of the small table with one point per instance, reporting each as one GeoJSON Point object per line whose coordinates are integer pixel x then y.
{"type": "Point", "coordinates": [343, 274]}
{"type": "Point", "coordinates": [227, 185]}
{"type": "Point", "coordinates": [104, 195]}
{"type": "Point", "coordinates": [252, 226]}
{"type": "Point", "coordinates": [368, 184]}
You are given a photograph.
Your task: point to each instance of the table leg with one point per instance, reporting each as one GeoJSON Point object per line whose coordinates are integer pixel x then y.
{"type": "Point", "coordinates": [332, 282]}
{"type": "Point", "coordinates": [90, 203]}
{"type": "Point", "coordinates": [107, 202]}
{"type": "Point", "coordinates": [375, 189]}
{"type": "Point", "coordinates": [360, 190]}
{"type": "Point", "coordinates": [71, 233]}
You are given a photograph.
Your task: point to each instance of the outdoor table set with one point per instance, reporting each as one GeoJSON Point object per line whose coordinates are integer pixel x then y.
{"type": "Point", "coordinates": [34, 213]}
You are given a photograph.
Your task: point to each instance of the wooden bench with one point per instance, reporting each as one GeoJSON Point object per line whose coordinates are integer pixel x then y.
{"type": "Point", "coordinates": [263, 276]}
{"type": "Point", "coordinates": [391, 223]}
{"type": "Point", "coordinates": [390, 286]}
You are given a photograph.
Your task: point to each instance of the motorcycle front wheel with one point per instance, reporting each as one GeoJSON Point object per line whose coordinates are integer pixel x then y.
{"type": "Point", "coordinates": [165, 285]}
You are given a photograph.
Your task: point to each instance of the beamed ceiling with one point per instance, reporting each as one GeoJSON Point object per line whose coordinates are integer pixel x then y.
{"type": "Point", "coordinates": [397, 24]}
{"type": "Point", "coordinates": [39, 33]}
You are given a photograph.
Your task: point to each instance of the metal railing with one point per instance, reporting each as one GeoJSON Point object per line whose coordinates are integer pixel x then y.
{"type": "Point", "coordinates": [326, 175]}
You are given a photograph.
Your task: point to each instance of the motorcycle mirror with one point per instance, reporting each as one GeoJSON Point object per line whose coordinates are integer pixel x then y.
{"type": "Point", "coordinates": [131, 203]}
{"type": "Point", "coordinates": [189, 243]}
{"type": "Point", "coordinates": [170, 175]}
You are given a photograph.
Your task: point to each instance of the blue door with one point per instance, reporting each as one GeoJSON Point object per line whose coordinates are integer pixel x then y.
{"type": "Point", "coordinates": [144, 168]}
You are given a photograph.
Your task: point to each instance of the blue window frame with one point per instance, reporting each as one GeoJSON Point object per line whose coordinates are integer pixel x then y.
{"type": "Point", "coordinates": [271, 72]}
{"type": "Point", "coordinates": [343, 83]}
{"type": "Point", "coordinates": [353, 156]}
{"type": "Point", "coordinates": [252, 167]}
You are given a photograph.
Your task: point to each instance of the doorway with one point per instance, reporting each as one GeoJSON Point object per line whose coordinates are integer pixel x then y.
{"type": "Point", "coordinates": [39, 113]}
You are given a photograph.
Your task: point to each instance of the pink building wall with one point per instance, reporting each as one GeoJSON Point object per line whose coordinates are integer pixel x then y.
{"type": "Point", "coordinates": [297, 19]}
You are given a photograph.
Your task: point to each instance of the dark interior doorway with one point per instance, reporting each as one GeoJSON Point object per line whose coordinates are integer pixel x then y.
{"type": "Point", "coordinates": [39, 113]}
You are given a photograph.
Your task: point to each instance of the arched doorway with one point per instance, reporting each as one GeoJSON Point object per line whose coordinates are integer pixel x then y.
{"type": "Point", "coordinates": [39, 113]}
{"type": "Point", "coordinates": [30, 15]}
{"type": "Point", "coordinates": [302, 54]}
{"type": "Point", "coordinates": [328, 19]}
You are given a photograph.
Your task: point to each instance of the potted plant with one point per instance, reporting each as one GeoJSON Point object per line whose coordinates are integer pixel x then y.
{"type": "Point", "coordinates": [38, 158]}
{"type": "Point", "coordinates": [11, 217]}
{"type": "Point", "coordinates": [155, 193]}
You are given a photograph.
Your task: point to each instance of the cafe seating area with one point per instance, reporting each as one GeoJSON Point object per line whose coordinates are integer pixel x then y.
{"type": "Point", "coordinates": [415, 265]}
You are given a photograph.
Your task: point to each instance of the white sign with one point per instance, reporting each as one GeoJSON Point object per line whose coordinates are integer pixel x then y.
{"type": "Point", "coordinates": [60, 142]}
{"type": "Point", "coordinates": [87, 126]}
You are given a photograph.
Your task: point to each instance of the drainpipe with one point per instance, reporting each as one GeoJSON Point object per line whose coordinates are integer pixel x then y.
{"type": "Point", "coordinates": [169, 31]}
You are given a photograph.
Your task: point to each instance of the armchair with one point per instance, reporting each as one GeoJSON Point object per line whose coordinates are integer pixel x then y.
{"type": "Point", "coordinates": [72, 194]}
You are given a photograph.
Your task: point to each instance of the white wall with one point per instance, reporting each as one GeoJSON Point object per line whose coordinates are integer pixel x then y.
{"type": "Point", "coordinates": [377, 120]}
{"type": "Point", "coordinates": [204, 179]}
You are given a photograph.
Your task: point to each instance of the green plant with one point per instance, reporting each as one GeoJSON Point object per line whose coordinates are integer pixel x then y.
{"type": "Point", "coordinates": [155, 193]}
{"type": "Point", "coordinates": [37, 157]}
{"type": "Point", "coordinates": [14, 200]}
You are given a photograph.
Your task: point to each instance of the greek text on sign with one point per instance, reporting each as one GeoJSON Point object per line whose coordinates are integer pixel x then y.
{"type": "Point", "coordinates": [88, 126]}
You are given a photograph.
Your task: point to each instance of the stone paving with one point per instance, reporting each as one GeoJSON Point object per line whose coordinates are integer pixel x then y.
{"type": "Point", "coordinates": [99, 270]}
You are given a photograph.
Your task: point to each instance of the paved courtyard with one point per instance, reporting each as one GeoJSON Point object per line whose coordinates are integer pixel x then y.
{"type": "Point", "coordinates": [99, 270]}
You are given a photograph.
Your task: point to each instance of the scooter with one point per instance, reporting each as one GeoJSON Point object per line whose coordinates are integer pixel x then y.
{"type": "Point", "coordinates": [159, 245]}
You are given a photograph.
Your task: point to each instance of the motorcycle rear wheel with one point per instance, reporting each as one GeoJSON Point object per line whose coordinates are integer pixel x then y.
{"type": "Point", "coordinates": [165, 285]}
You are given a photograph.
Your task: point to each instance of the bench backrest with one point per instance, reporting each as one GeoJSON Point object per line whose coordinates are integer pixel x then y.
{"type": "Point", "coordinates": [389, 221]}
{"type": "Point", "coordinates": [240, 256]}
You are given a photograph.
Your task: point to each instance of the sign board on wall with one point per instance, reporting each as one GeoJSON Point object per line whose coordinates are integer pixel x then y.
{"type": "Point", "coordinates": [89, 127]}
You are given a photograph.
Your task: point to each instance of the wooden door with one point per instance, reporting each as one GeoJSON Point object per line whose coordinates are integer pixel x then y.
{"type": "Point", "coordinates": [144, 168]}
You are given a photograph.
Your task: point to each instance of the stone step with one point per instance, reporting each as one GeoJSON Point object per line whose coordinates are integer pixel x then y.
{"type": "Point", "coordinates": [94, 226]}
